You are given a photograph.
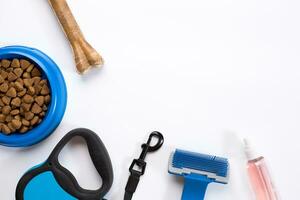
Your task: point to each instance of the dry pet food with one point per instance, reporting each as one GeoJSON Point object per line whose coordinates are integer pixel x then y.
{"type": "Point", "coordinates": [24, 96]}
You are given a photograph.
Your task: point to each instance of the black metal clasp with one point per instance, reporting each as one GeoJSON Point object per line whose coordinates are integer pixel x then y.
{"type": "Point", "coordinates": [139, 165]}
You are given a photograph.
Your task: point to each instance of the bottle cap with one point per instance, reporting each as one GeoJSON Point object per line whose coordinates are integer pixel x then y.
{"type": "Point", "coordinates": [250, 153]}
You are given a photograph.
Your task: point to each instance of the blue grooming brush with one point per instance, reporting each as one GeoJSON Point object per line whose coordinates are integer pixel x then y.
{"type": "Point", "coordinates": [198, 171]}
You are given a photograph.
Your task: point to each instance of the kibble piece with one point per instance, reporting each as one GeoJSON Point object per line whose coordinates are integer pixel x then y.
{"type": "Point", "coordinates": [36, 80]}
{"type": "Point", "coordinates": [6, 110]}
{"type": "Point", "coordinates": [11, 84]}
{"type": "Point", "coordinates": [5, 129]}
{"type": "Point", "coordinates": [2, 118]}
{"type": "Point", "coordinates": [11, 92]}
{"type": "Point", "coordinates": [1, 103]}
{"type": "Point", "coordinates": [5, 63]}
{"type": "Point", "coordinates": [35, 72]}
{"type": "Point", "coordinates": [8, 118]}
{"type": "Point", "coordinates": [28, 82]}
{"type": "Point", "coordinates": [31, 91]}
{"type": "Point", "coordinates": [4, 74]}
{"type": "Point", "coordinates": [47, 99]}
{"type": "Point", "coordinates": [23, 129]}
{"type": "Point", "coordinates": [29, 69]}
{"type": "Point", "coordinates": [15, 112]}
{"type": "Point", "coordinates": [16, 102]}
{"type": "Point", "coordinates": [16, 123]}
{"type": "Point", "coordinates": [28, 99]}
{"type": "Point", "coordinates": [25, 122]}
{"type": "Point", "coordinates": [11, 127]}
{"type": "Point", "coordinates": [26, 75]}
{"type": "Point", "coordinates": [34, 120]}
{"type": "Point", "coordinates": [19, 86]}
{"type": "Point", "coordinates": [1, 79]}
{"type": "Point", "coordinates": [18, 117]}
{"type": "Point", "coordinates": [40, 100]}
{"type": "Point", "coordinates": [20, 80]}
{"type": "Point", "coordinates": [18, 72]}
{"type": "Point", "coordinates": [26, 106]}
{"type": "Point", "coordinates": [42, 114]}
{"type": "Point", "coordinates": [15, 63]}
{"type": "Point", "coordinates": [24, 64]}
{"type": "Point", "coordinates": [45, 90]}
{"type": "Point", "coordinates": [4, 87]}
{"type": "Point", "coordinates": [37, 89]}
{"type": "Point", "coordinates": [22, 93]}
{"type": "Point", "coordinates": [40, 120]}
{"type": "Point", "coordinates": [11, 76]}
{"type": "Point", "coordinates": [43, 82]}
{"type": "Point", "coordinates": [36, 109]}
{"type": "Point", "coordinates": [29, 116]}
{"type": "Point", "coordinates": [10, 69]}
{"type": "Point", "coordinates": [6, 100]}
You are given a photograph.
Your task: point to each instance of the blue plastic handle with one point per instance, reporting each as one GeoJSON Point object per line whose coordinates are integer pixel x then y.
{"type": "Point", "coordinates": [44, 186]}
{"type": "Point", "coordinates": [195, 187]}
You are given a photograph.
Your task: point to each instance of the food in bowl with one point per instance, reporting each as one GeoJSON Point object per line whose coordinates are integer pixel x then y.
{"type": "Point", "coordinates": [24, 96]}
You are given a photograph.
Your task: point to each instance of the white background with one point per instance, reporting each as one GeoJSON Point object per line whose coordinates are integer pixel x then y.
{"type": "Point", "coordinates": [203, 72]}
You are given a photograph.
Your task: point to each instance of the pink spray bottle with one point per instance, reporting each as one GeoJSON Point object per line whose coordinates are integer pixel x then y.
{"type": "Point", "coordinates": [259, 175]}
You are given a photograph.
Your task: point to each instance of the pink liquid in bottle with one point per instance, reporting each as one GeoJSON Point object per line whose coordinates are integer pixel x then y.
{"type": "Point", "coordinates": [259, 176]}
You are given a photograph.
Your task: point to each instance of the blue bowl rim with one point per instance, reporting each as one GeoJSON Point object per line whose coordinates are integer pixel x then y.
{"type": "Point", "coordinates": [58, 103]}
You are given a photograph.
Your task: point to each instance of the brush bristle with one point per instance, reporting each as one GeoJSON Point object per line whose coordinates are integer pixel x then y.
{"type": "Point", "coordinates": [200, 162]}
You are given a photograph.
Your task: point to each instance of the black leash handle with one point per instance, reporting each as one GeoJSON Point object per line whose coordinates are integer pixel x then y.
{"type": "Point", "coordinates": [64, 177]}
{"type": "Point", "coordinates": [100, 159]}
{"type": "Point", "coordinates": [138, 166]}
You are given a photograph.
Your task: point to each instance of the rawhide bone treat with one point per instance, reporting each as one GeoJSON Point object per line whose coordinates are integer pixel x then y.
{"type": "Point", "coordinates": [85, 55]}
{"type": "Point", "coordinates": [24, 96]}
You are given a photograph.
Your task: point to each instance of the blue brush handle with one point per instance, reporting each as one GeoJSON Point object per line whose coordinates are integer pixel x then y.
{"type": "Point", "coordinates": [195, 187]}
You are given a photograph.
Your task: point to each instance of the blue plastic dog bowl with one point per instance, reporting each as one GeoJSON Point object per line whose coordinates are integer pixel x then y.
{"type": "Point", "coordinates": [57, 106]}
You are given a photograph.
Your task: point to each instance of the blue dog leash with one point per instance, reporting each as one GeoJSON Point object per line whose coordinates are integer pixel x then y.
{"type": "Point", "coordinates": [50, 180]}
